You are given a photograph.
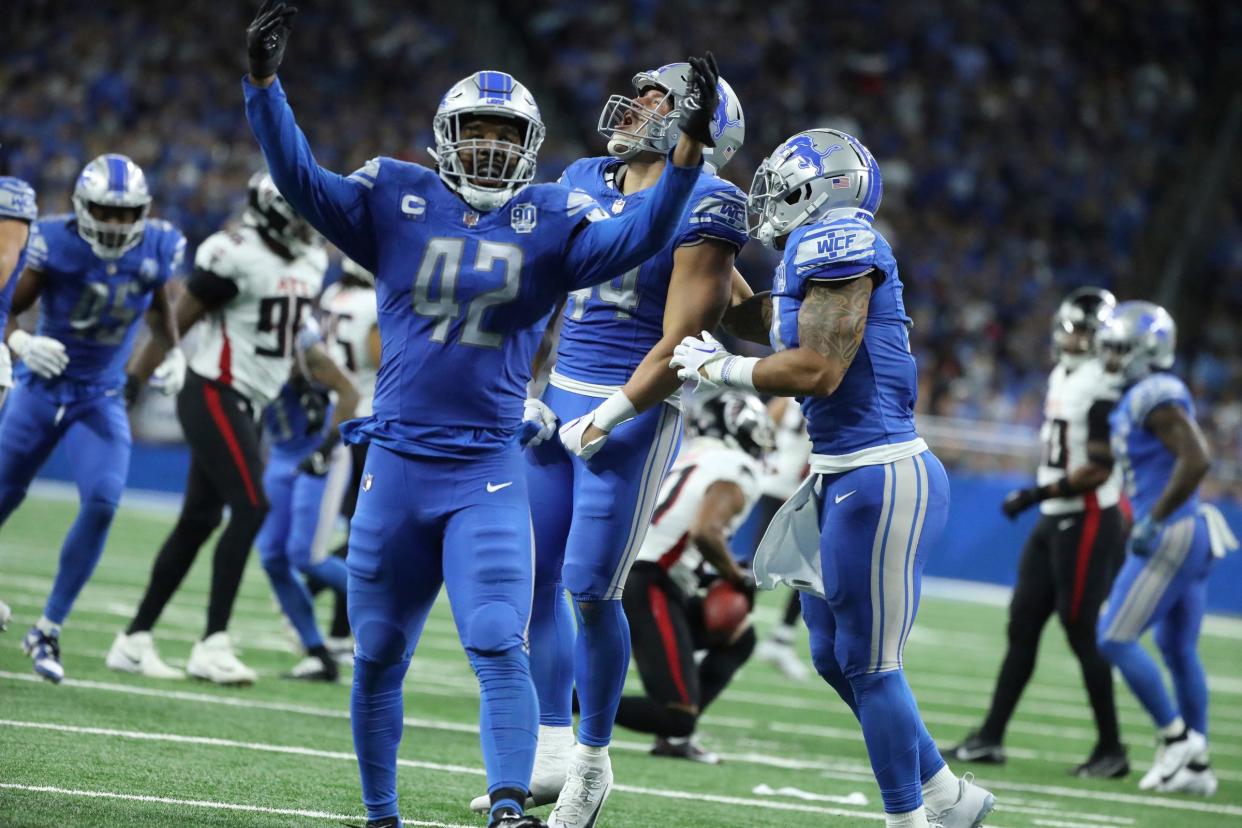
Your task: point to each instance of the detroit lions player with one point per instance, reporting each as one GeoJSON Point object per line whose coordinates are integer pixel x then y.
{"type": "Point", "coordinates": [470, 258]}
{"type": "Point", "coordinates": [18, 211]}
{"type": "Point", "coordinates": [839, 327]}
{"type": "Point", "coordinates": [1163, 582]}
{"type": "Point", "coordinates": [94, 273]}
{"type": "Point", "coordinates": [591, 500]}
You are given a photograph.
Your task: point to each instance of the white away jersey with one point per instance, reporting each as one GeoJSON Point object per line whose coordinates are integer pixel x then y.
{"type": "Point", "coordinates": [705, 461]}
{"type": "Point", "coordinates": [1063, 436]}
{"type": "Point", "coordinates": [351, 317]}
{"type": "Point", "coordinates": [249, 342]}
{"type": "Point", "coordinates": [789, 465]}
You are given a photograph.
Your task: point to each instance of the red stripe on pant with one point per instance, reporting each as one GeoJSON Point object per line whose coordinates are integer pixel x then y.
{"type": "Point", "coordinates": [1086, 542]}
{"type": "Point", "coordinates": [212, 396]}
{"type": "Point", "coordinates": [659, 612]}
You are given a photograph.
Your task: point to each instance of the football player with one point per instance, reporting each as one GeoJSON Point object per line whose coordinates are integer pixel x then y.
{"type": "Point", "coordinates": [94, 274]}
{"type": "Point", "coordinates": [839, 328]}
{"type": "Point", "coordinates": [252, 285]}
{"type": "Point", "coordinates": [1163, 582]}
{"type": "Point", "coordinates": [18, 211]}
{"type": "Point", "coordinates": [709, 493]}
{"type": "Point", "coordinates": [1072, 555]}
{"type": "Point", "coordinates": [469, 259]}
{"type": "Point", "coordinates": [593, 491]}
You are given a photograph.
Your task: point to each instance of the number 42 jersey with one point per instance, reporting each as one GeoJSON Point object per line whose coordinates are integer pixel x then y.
{"type": "Point", "coordinates": [250, 340]}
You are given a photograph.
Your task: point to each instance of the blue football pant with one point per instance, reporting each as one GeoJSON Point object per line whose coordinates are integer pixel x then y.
{"type": "Point", "coordinates": [96, 435]}
{"type": "Point", "coordinates": [420, 523]}
{"type": "Point", "coordinates": [877, 526]}
{"type": "Point", "coordinates": [1167, 590]}
{"type": "Point", "coordinates": [590, 519]}
{"type": "Point", "coordinates": [293, 543]}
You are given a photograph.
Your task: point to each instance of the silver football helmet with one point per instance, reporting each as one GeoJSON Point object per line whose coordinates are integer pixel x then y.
{"type": "Point", "coordinates": [808, 175]}
{"type": "Point", "coordinates": [108, 188]}
{"type": "Point", "coordinates": [632, 128]}
{"type": "Point", "coordinates": [496, 170]}
{"type": "Point", "coordinates": [1079, 316]}
{"type": "Point", "coordinates": [268, 212]}
{"type": "Point", "coordinates": [738, 419]}
{"type": "Point", "coordinates": [1137, 338]}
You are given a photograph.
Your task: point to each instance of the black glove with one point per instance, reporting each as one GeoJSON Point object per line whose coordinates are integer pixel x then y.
{"type": "Point", "coordinates": [747, 586]}
{"type": "Point", "coordinates": [267, 37]}
{"type": "Point", "coordinates": [316, 463]}
{"type": "Point", "coordinates": [313, 402]}
{"type": "Point", "coordinates": [699, 106]}
{"type": "Point", "coordinates": [1018, 501]}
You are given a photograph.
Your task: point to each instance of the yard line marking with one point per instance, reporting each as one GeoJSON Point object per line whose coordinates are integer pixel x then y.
{"type": "Point", "coordinates": [213, 805]}
{"type": "Point", "coordinates": [842, 771]}
{"type": "Point", "coordinates": [459, 770]}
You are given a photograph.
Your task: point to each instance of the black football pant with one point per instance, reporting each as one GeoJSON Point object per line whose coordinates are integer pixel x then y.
{"type": "Point", "coordinates": [226, 468]}
{"type": "Point", "coordinates": [1067, 568]}
{"type": "Point", "coordinates": [666, 629]}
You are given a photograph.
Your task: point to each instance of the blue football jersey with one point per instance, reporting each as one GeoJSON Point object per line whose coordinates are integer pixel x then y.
{"type": "Point", "coordinates": [93, 305]}
{"type": "Point", "coordinates": [463, 295]}
{"type": "Point", "coordinates": [874, 405]}
{"type": "Point", "coordinates": [17, 201]}
{"type": "Point", "coordinates": [1144, 460]}
{"type": "Point", "coordinates": [288, 425]}
{"type": "Point", "coordinates": [608, 329]}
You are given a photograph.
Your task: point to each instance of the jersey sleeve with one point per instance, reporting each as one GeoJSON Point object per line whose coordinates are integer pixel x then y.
{"type": "Point", "coordinates": [337, 206]}
{"type": "Point", "coordinates": [218, 275]}
{"type": "Point", "coordinates": [17, 200]}
{"type": "Point", "coordinates": [719, 215]}
{"type": "Point", "coordinates": [1155, 391]}
{"type": "Point", "coordinates": [834, 251]}
{"type": "Point", "coordinates": [37, 251]}
{"type": "Point", "coordinates": [172, 250]}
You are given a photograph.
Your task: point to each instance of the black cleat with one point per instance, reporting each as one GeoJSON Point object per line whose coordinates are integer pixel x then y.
{"type": "Point", "coordinates": [1107, 763]}
{"type": "Point", "coordinates": [506, 818]}
{"type": "Point", "coordinates": [386, 822]}
{"type": "Point", "coordinates": [976, 748]}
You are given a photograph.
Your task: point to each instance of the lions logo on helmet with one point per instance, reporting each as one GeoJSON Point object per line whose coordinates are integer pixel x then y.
{"type": "Point", "coordinates": [632, 127]}
{"type": "Point", "coordinates": [111, 202]}
{"type": "Point", "coordinates": [737, 419]}
{"type": "Point", "coordinates": [487, 173]}
{"type": "Point", "coordinates": [808, 175]}
{"type": "Point", "coordinates": [1136, 339]}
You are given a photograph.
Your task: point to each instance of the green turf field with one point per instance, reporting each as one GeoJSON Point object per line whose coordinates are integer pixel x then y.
{"type": "Point", "coordinates": [106, 749]}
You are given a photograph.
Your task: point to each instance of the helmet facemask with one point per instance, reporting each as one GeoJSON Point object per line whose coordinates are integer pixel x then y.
{"type": "Point", "coordinates": [486, 171]}
{"type": "Point", "coordinates": [775, 206]}
{"type": "Point", "coordinates": [111, 230]}
{"type": "Point", "coordinates": [632, 126]}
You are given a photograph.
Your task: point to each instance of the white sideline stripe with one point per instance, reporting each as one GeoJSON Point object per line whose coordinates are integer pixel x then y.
{"type": "Point", "coordinates": [213, 805]}
{"type": "Point", "coordinates": [460, 770]}
{"type": "Point", "coordinates": [840, 770]}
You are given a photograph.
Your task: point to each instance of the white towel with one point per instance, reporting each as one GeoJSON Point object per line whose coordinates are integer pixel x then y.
{"type": "Point", "coordinates": [1220, 536]}
{"type": "Point", "coordinates": [789, 551]}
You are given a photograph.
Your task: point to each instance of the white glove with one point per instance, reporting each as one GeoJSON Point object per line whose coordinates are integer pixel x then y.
{"type": "Point", "coordinates": [611, 413]}
{"type": "Point", "coordinates": [42, 354]}
{"type": "Point", "coordinates": [703, 364]}
{"type": "Point", "coordinates": [169, 376]}
{"type": "Point", "coordinates": [538, 422]}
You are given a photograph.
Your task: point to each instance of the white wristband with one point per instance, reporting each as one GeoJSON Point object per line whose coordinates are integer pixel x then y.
{"type": "Point", "coordinates": [18, 340]}
{"type": "Point", "coordinates": [614, 411]}
{"type": "Point", "coordinates": [739, 372]}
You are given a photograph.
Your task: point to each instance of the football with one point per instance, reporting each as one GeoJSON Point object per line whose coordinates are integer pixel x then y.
{"type": "Point", "coordinates": [725, 609]}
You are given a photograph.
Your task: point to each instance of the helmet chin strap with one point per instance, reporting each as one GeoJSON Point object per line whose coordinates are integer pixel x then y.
{"type": "Point", "coordinates": [622, 149]}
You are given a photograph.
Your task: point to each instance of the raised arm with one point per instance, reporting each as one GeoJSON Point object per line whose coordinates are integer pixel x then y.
{"type": "Point", "coordinates": [334, 204]}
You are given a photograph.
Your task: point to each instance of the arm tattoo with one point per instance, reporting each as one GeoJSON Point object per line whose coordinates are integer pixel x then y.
{"type": "Point", "coordinates": [833, 317]}
{"type": "Point", "coordinates": [751, 319]}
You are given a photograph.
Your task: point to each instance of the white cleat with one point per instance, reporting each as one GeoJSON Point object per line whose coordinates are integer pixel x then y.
{"type": "Point", "coordinates": [586, 790]}
{"type": "Point", "coordinates": [972, 807]}
{"type": "Point", "coordinates": [137, 654]}
{"type": "Point", "coordinates": [44, 652]}
{"type": "Point", "coordinates": [1196, 778]}
{"type": "Point", "coordinates": [783, 656]}
{"type": "Point", "coordinates": [5, 615]}
{"type": "Point", "coordinates": [1171, 757]}
{"type": "Point", "coordinates": [212, 659]}
{"type": "Point", "coordinates": [552, 758]}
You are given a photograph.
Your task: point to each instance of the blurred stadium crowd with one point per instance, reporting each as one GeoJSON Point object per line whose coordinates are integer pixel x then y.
{"type": "Point", "coordinates": [1027, 148]}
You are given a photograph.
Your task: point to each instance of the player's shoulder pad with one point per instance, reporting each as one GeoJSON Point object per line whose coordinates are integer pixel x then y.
{"type": "Point", "coordinates": [317, 256]}
{"type": "Point", "coordinates": [17, 199]}
{"type": "Point", "coordinates": [582, 172]}
{"type": "Point", "coordinates": [836, 247]}
{"type": "Point", "coordinates": [48, 239]}
{"type": "Point", "coordinates": [170, 242]}
{"type": "Point", "coordinates": [223, 252]}
{"type": "Point", "coordinates": [1155, 390]}
{"type": "Point", "coordinates": [1104, 384]}
{"type": "Point", "coordinates": [368, 174]}
{"type": "Point", "coordinates": [724, 463]}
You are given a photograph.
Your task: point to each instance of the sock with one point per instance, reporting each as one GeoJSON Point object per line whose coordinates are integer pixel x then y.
{"type": "Point", "coordinates": [941, 791]}
{"type": "Point", "coordinates": [552, 637]}
{"type": "Point", "coordinates": [930, 760]}
{"type": "Point", "coordinates": [1174, 730]}
{"type": "Point", "coordinates": [79, 554]}
{"type": "Point", "coordinates": [375, 713]}
{"type": "Point", "coordinates": [294, 599]}
{"type": "Point", "coordinates": [1143, 676]}
{"type": "Point", "coordinates": [592, 753]}
{"type": "Point", "coordinates": [507, 802]}
{"type": "Point", "coordinates": [508, 717]}
{"type": "Point", "coordinates": [890, 724]}
{"type": "Point", "coordinates": [48, 628]}
{"type": "Point", "coordinates": [555, 741]}
{"type": "Point", "coordinates": [910, 819]}
{"type": "Point", "coordinates": [601, 659]}
{"type": "Point", "coordinates": [649, 716]}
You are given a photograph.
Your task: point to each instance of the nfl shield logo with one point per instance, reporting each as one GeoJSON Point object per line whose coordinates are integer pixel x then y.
{"type": "Point", "coordinates": [367, 480]}
{"type": "Point", "coordinates": [523, 218]}
{"type": "Point", "coordinates": [618, 206]}
{"type": "Point", "coordinates": [471, 218]}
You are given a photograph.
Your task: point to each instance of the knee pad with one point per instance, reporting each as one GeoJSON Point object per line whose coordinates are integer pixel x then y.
{"type": "Point", "coordinates": [378, 640]}
{"type": "Point", "coordinates": [493, 628]}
